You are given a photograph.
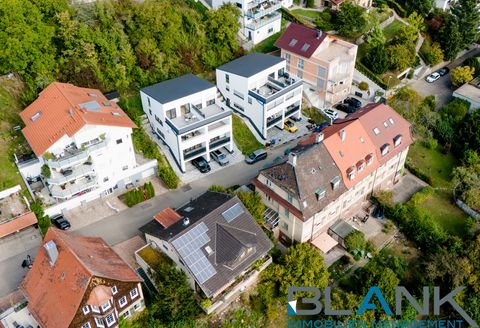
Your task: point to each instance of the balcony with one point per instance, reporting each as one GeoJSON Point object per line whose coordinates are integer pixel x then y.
{"type": "Point", "coordinates": [197, 117]}
{"type": "Point", "coordinates": [77, 172]}
{"type": "Point", "coordinates": [264, 20]}
{"type": "Point", "coordinates": [70, 190]}
{"type": "Point", "coordinates": [72, 155]}
{"type": "Point", "coordinates": [219, 142]}
{"type": "Point", "coordinates": [188, 154]}
{"type": "Point", "coordinates": [273, 121]}
{"type": "Point", "coordinates": [275, 88]}
{"type": "Point", "coordinates": [262, 9]}
{"type": "Point", "coordinates": [291, 109]}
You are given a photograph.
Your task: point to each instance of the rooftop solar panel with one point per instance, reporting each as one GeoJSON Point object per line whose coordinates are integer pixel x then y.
{"type": "Point", "coordinates": [233, 212]}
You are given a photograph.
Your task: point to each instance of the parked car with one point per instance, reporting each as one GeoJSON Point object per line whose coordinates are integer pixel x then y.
{"type": "Point", "coordinates": [443, 71]}
{"type": "Point", "coordinates": [321, 126]}
{"type": "Point", "coordinates": [432, 77]}
{"type": "Point", "coordinates": [345, 108]}
{"type": "Point", "coordinates": [60, 222]}
{"type": "Point", "coordinates": [353, 102]}
{"type": "Point", "coordinates": [297, 119]}
{"type": "Point", "coordinates": [256, 156]}
{"type": "Point", "coordinates": [290, 126]}
{"type": "Point", "coordinates": [219, 157]}
{"type": "Point", "coordinates": [201, 164]}
{"type": "Point", "coordinates": [330, 113]}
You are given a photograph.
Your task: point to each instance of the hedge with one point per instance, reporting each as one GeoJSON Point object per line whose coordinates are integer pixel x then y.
{"type": "Point", "coordinates": [417, 172]}
{"type": "Point", "coordinates": [397, 7]}
{"type": "Point", "coordinates": [372, 76]}
{"type": "Point", "coordinates": [139, 194]}
{"type": "Point", "coordinates": [288, 15]}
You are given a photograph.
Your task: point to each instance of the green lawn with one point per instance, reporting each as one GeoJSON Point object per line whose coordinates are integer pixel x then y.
{"type": "Point", "coordinates": [267, 45]}
{"type": "Point", "coordinates": [243, 137]}
{"type": "Point", "coordinates": [392, 29]}
{"type": "Point", "coordinates": [433, 163]}
{"type": "Point", "coordinates": [132, 105]}
{"type": "Point", "coordinates": [311, 14]}
{"type": "Point", "coordinates": [313, 114]}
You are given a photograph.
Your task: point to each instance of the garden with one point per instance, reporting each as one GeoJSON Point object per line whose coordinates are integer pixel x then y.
{"type": "Point", "coordinates": [138, 195]}
{"type": "Point", "coordinates": [244, 138]}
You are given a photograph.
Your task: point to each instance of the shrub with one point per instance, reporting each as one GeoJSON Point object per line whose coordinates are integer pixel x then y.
{"type": "Point", "coordinates": [388, 227]}
{"type": "Point", "coordinates": [355, 241]}
{"type": "Point", "coordinates": [43, 220]}
{"type": "Point", "coordinates": [310, 4]}
{"type": "Point", "coordinates": [206, 303]}
{"type": "Point", "coordinates": [46, 171]}
{"type": "Point", "coordinates": [431, 143]}
{"type": "Point", "coordinates": [384, 198]}
{"type": "Point", "coordinates": [363, 86]}
{"type": "Point", "coordinates": [168, 176]}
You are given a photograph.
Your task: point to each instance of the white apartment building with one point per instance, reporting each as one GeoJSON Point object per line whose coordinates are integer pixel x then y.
{"type": "Point", "coordinates": [83, 146]}
{"type": "Point", "coordinates": [258, 87]}
{"type": "Point", "coordinates": [184, 113]}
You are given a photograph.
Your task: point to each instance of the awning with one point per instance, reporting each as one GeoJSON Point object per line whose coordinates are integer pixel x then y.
{"type": "Point", "coordinates": [16, 224]}
{"type": "Point", "coordinates": [324, 242]}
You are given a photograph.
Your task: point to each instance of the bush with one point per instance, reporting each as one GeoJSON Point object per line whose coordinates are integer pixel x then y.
{"type": "Point", "coordinates": [310, 4]}
{"type": "Point", "coordinates": [168, 176]}
{"type": "Point", "coordinates": [388, 227]}
{"type": "Point", "coordinates": [46, 171]}
{"type": "Point", "coordinates": [138, 195]}
{"type": "Point", "coordinates": [431, 143]}
{"type": "Point", "coordinates": [43, 220]}
{"type": "Point", "coordinates": [363, 86]}
{"type": "Point", "coordinates": [355, 241]}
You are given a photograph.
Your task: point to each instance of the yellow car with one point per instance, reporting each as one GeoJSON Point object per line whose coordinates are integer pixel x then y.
{"type": "Point", "coordinates": [290, 126]}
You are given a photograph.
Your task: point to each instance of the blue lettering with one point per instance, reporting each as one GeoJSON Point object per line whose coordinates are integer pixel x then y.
{"type": "Point", "coordinates": [366, 305]}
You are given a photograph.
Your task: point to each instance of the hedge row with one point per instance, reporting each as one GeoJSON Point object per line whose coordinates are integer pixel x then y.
{"type": "Point", "coordinates": [290, 16]}
{"type": "Point", "coordinates": [139, 194]}
{"type": "Point", "coordinates": [417, 172]}
{"type": "Point", "coordinates": [372, 76]}
{"type": "Point", "coordinates": [397, 7]}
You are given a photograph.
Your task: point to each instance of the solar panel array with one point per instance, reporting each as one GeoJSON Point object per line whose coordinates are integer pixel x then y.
{"type": "Point", "coordinates": [233, 212]}
{"type": "Point", "coordinates": [189, 247]}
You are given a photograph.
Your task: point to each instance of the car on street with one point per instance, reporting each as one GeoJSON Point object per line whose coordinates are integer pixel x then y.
{"type": "Point", "coordinates": [60, 222]}
{"type": "Point", "coordinates": [257, 155]}
{"type": "Point", "coordinates": [290, 126]}
{"type": "Point", "coordinates": [321, 126]}
{"type": "Point", "coordinates": [353, 102]}
{"type": "Point", "coordinates": [432, 77]}
{"type": "Point", "coordinates": [346, 108]}
{"type": "Point", "coordinates": [201, 164]}
{"type": "Point", "coordinates": [330, 113]}
{"type": "Point", "coordinates": [296, 119]}
{"type": "Point", "coordinates": [219, 157]}
{"type": "Point", "coordinates": [443, 71]}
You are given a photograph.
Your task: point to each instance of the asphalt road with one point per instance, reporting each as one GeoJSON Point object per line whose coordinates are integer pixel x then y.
{"type": "Point", "coordinates": [124, 225]}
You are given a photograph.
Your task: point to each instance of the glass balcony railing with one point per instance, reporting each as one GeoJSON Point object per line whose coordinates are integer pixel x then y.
{"type": "Point", "coordinates": [264, 20]}
{"type": "Point", "coordinates": [291, 109]}
{"type": "Point", "coordinates": [194, 152]}
{"type": "Point", "coordinates": [273, 121]}
{"type": "Point", "coordinates": [71, 190]}
{"type": "Point", "coordinates": [219, 142]}
{"type": "Point", "coordinates": [74, 156]}
{"type": "Point", "coordinates": [263, 9]}
{"type": "Point", "coordinates": [76, 172]}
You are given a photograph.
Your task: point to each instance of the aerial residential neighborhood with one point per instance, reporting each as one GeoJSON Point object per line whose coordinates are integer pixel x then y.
{"type": "Point", "coordinates": [211, 163]}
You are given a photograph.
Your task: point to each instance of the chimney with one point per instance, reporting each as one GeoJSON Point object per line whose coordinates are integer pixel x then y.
{"type": "Point", "coordinates": [343, 134]}
{"type": "Point", "coordinates": [52, 251]}
{"type": "Point", "coordinates": [319, 34]}
{"type": "Point", "coordinates": [319, 138]}
{"type": "Point", "coordinates": [292, 159]}
{"type": "Point", "coordinates": [186, 221]}
{"type": "Point", "coordinates": [70, 112]}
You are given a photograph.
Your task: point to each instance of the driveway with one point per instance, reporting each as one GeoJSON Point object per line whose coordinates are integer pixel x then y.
{"type": "Point", "coordinates": [407, 187]}
{"type": "Point", "coordinates": [13, 250]}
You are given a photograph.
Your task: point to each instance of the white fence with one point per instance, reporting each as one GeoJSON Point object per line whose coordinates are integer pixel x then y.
{"type": "Point", "coordinates": [10, 191]}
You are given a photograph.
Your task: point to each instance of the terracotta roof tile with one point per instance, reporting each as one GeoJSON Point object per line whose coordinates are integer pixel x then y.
{"type": "Point", "coordinates": [167, 217]}
{"type": "Point", "coordinates": [55, 292]}
{"type": "Point", "coordinates": [63, 109]}
{"type": "Point", "coordinates": [18, 223]}
{"type": "Point", "coordinates": [301, 40]}
{"type": "Point", "coordinates": [99, 295]}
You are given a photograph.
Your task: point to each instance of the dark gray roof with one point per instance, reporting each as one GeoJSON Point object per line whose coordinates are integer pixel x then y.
{"type": "Point", "coordinates": [176, 88]}
{"type": "Point", "coordinates": [250, 64]}
{"type": "Point", "coordinates": [314, 171]}
{"type": "Point", "coordinates": [342, 229]}
{"type": "Point", "coordinates": [234, 245]}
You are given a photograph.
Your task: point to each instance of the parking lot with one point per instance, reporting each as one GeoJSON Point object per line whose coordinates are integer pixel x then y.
{"type": "Point", "coordinates": [278, 136]}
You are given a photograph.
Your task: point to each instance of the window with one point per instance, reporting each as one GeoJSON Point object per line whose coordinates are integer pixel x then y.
{"type": "Point", "coordinates": [300, 63]}
{"type": "Point", "coordinates": [351, 175]}
{"type": "Point", "coordinates": [99, 322]}
{"type": "Point", "coordinates": [237, 106]}
{"type": "Point", "coordinates": [126, 314]}
{"type": "Point", "coordinates": [287, 58]}
{"type": "Point", "coordinates": [238, 94]}
{"type": "Point", "coordinates": [385, 124]}
{"type": "Point", "coordinates": [320, 193]}
{"type": "Point", "coordinates": [250, 100]}
{"type": "Point", "coordinates": [148, 100]}
{"type": "Point", "coordinates": [124, 168]}
{"type": "Point", "coordinates": [160, 133]}
{"type": "Point", "coordinates": [86, 325]}
{"type": "Point", "coordinates": [210, 102]}
{"type": "Point", "coordinates": [114, 290]}
{"type": "Point", "coordinates": [397, 140]}
{"type": "Point", "coordinates": [228, 88]}
{"type": "Point", "coordinates": [227, 78]}
{"type": "Point", "coordinates": [270, 30]}
{"type": "Point", "coordinates": [361, 166]}
{"type": "Point", "coordinates": [134, 293]}
{"type": "Point", "coordinates": [391, 121]}
{"type": "Point", "coordinates": [384, 149]}
{"type": "Point", "coordinates": [105, 179]}
{"type": "Point", "coordinates": [290, 198]}
{"type": "Point", "coordinates": [86, 309]}
{"type": "Point", "coordinates": [106, 306]}
{"type": "Point", "coordinates": [110, 319]}
{"type": "Point", "coordinates": [95, 309]}
{"type": "Point", "coordinates": [285, 226]}
{"type": "Point", "coordinates": [376, 131]}
{"type": "Point", "coordinates": [171, 113]}
{"type": "Point", "coordinates": [299, 73]}
{"type": "Point", "coordinates": [122, 301]}
{"type": "Point", "coordinates": [292, 42]}
{"type": "Point", "coordinates": [335, 182]}
{"type": "Point", "coordinates": [369, 159]}
{"type": "Point", "coordinates": [119, 141]}
{"type": "Point", "coordinates": [286, 212]}
{"type": "Point", "coordinates": [150, 111]}
{"type": "Point", "coordinates": [305, 47]}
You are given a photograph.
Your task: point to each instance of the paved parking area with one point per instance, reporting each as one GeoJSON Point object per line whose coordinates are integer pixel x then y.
{"type": "Point", "coordinates": [407, 187]}
{"type": "Point", "coordinates": [283, 136]}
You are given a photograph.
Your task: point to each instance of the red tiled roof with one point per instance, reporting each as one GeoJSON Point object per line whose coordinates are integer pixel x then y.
{"type": "Point", "coordinates": [16, 224]}
{"type": "Point", "coordinates": [55, 292]}
{"type": "Point", "coordinates": [307, 40]}
{"type": "Point", "coordinates": [62, 111]}
{"type": "Point", "coordinates": [99, 295]}
{"type": "Point", "coordinates": [167, 217]}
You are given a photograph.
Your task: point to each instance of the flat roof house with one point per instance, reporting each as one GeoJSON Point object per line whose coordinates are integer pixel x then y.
{"type": "Point", "coordinates": [213, 239]}
{"type": "Point", "coordinates": [258, 87]}
{"type": "Point", "coordinates": [185, 114]}
{"type": "Point", "coordinates": [324, 62]}
{"type": "Point", "coordinates": [470, 92]}
{"type": "Point", "coordinates": [80, 281]}
{"type": "Point", "coordinates": [333, 172]}
{"type": "Point", "coordinates": [83, 140]}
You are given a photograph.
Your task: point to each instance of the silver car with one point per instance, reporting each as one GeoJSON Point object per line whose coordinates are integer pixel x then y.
{"type": "Point", "coordinates": [219, 157]}
{"type": "Point", "coordinates": [330, 113]}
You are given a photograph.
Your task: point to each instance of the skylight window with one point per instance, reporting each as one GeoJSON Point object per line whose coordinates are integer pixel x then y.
{"type": "Point", "coordinates": [385, 124]}
{"type": "Point", "coordinates": [376, 131]}
{"type": "Point", "coordinates": [35, 116]}
{"type": "Point", "coordinates": [305, 47]}
{"type": "Point", "coordinates": [93, 95]}
{"type": "Point", "coordinates": [320, 193]}
{"type": "Point", "coordinates": [293, 42]}
{"type": "Point", "coordinates": [391, 121]}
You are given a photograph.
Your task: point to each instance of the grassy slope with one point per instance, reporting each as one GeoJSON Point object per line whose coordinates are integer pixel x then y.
{"type": "Point", "coordinates": [243, 137]}
{"type": "Point", "coordinates": [392, 29]}
{"type": "Point", "coordinates": [312, 14]}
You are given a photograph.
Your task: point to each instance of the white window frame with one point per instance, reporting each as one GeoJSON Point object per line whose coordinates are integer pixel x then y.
{"type": "Point", "coordinates": [361, 167]}
{"type": "Point", "coordinates": [86, 309]}
{"type": "Point", "coordinates": [351, 175]}
{"type": "Point", "coordinates": [106, 306]}
{"type": "Point", "coordinates": [86, 325]}
{"type": "Point", "coordinates": [113, 319]}
{"type": "Point", "coordinates": [398, 141]}
{"type": "Point", "coordinates": [385, 150]}
{"type": "Point", "coordinates": [134, 293]}
{"type": "Point", "coordinates": [122, 304]}
{"type": "Point", "coordinates": [95, 309]}
{"type": "Point", "coordinates": [114, 290]}
{"type": "Point", "coordinates": [101, 324]}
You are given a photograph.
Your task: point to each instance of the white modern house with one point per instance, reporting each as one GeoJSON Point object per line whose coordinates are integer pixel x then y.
{"type": "Point", "coordinates": [184, 113]}
{"type": "Point", "coordinates": [83, 146]}
{"type": "Point", "coordinates": [259, 18]}
{"type": "Point", "coordinates": [258, 87]}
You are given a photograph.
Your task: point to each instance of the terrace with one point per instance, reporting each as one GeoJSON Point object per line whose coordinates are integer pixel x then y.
{"type": "Point", "coordinates": [73, 155]}
{"type": "Point", "coordinates": [67, 176]}
{"type": "Point", "coordinates": [275, 88]}
{"type": "Point", "coordinates": [264, 20]}
{"type": "Point", "coordinates": [197, 117]}
{"type": "Point", "coordinates": [262, 8]}
{"type": "Point", "coordinates": [72, 189]}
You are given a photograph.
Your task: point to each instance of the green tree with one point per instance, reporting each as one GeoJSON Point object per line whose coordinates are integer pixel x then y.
{"type": "Point", "coordinates": [468, 17]}
{"type": "Point", "coordinates": [474, 62]}
{"type": "Point", "coordinates": [253, 202]}
{"type": "Point", "coordinates": [351, 20]}
{"type": "Point", "coordinates": [456, 110]}
{"type": "Point", "coordinates": [355, 241]}
{"type": "Point", "coordinates": [468, 136]}
{"type": "Point", "coordinates": [401, 56]}
{"type": "Point", "coordinates": [433, 54]}
{"type": "Point", "coordinates": [43, 220]}
{"type": "Point", "coordinates": [377, 60]}
{"type": "Point", "coordinates": [375, 38]}
{"type": "Point", "coordinates": [408, 34]}
{"type": "Point", "coordinates": [450, 37]}
{"type": "Point", "coordinates": [461, 75]}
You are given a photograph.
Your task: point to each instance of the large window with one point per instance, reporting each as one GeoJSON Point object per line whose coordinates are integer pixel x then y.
{"type": "Point", "coordinates": [122, 301]}
{"type": "Point", "coordinates": [171, 113]}
{"type": "Point", "coordinates": [86, 325]}
{"type": "Point", "coordinates": [134, 293]}
{"type": "Point", "coordinates": [95, 309]}
{"type": "Point", "coordinates": [237, 106]}
{"type": "Point", "coordinates": [110, 319]}
{"type": "Point", "coordinates": [106, 306]}
{"type": "Point", "coordinates": [300, 63]}
{"type": "Point", "coordinates": [238, 94]}
{"type": "Point", "coordinates": [99, 322]}
{"type": "Point", "coordinates": [86, 309]}
{"type": "Point", "coordinates": [227, 78]}
{"type": "Point", "coordinates": [287, 58]}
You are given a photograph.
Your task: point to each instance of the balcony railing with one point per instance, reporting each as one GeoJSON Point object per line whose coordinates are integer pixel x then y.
{"type": "Point", "coordinates": [219, 142]}
{"type": "Point", "coordinates": [77, 172]}
{"type": "Point", "coordinates": [263, 9]}
{"type": "Point", "coordinates": [284, 89]}
{"type": "Point", "coordinates": [292, 109]}
{"type": "Point", "coordinates": [194, 152]}
{"type": "Point", "coordinates": [72, 189]}
{"type": "Point", "coordinates": [74, 156]}
{"type": "Point", "coordinates": [264, 21]}
{"type": "Point", "coordinates": [273, 121]}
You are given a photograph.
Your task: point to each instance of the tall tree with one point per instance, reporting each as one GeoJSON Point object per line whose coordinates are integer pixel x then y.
{"type": "Point", "coordinates": [461, 75]}
{"type": "Point", "coordinates": [377, 60]}
{"type": "Point", "coordinates": [376, 38]}
{"type": "Point", "coordinates": [468, 16]}
{"type": "Point", "coordinates": [401, 56]}
{"type": "Point", "coordinates": [450, 37]}
{"type": "Point", "coordinates": [351, 19]}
